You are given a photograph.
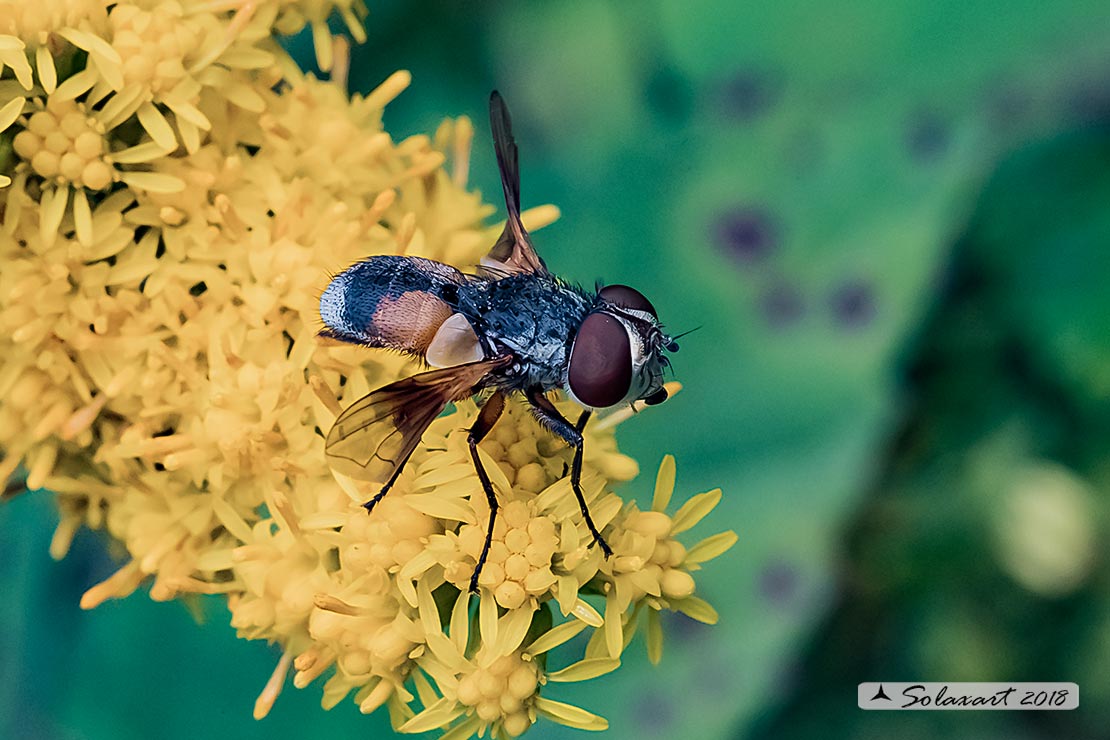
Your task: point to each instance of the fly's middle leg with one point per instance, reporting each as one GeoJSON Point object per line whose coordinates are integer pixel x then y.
{"type": "Point", "coordinates": [487, 417]}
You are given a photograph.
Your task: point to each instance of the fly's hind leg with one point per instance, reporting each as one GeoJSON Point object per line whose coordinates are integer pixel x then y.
{"type": "Point", "coordinates": [369, 505]}
{"type": "Point", "coordinates": [550, 417]}
{"type": "Point", "coordinates": [487, 417]}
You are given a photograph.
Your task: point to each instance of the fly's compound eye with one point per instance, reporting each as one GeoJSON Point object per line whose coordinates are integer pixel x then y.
{"type": "Point", "coordinates": [625, 297]}
{"type": "Point", "coordinates": [656, 398]}
{"type": "Point", "coordinates": [600, 371]}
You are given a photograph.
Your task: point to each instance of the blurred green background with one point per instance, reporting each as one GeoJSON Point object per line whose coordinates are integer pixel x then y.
{"type": "Point", "coordinates": [891, 221]}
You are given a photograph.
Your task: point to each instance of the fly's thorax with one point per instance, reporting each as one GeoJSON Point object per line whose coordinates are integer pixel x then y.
{"type": "Point", "coordinates": [532, 317]}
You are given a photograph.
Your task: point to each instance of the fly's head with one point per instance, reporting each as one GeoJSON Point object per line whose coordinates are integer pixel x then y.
{"type": "Point", "coordinates": [618, 353]}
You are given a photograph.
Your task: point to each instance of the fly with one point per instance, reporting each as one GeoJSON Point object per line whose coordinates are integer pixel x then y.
{"type": "Point", "coordinates": [511, 328]}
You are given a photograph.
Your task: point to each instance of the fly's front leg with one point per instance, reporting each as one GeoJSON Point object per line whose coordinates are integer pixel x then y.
{"type": "Point", "coordinates": [550, 417]}
{"type": "Point", "coordinates": [487, 417]}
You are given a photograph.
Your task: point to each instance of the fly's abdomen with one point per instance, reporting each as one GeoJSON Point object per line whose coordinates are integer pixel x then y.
{"type": "Point", "coordinates": [390, 302]}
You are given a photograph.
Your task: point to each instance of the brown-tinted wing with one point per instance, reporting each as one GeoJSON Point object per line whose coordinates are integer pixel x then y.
{"type": "Point", "coordinates": [513, 251]}
{"type": "Point", "coordinates": [376, 434]}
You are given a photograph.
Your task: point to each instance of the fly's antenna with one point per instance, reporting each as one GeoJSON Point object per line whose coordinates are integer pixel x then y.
{"type": "Point", "coordinates": [672, 342]}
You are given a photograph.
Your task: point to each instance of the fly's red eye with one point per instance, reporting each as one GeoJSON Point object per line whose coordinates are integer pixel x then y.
{"type": "Point", "coordinates": [626, 297]}
{"type": "Point", "coordinates": [600, 372]}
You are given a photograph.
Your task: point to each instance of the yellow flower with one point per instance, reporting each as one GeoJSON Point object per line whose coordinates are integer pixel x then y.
{"type": "Point", "coordinates": [34, 22]}
{"type": "Point", "coordinates": [651, 568]}
{"type": "Point", "coordinates": [173, 201]}
{"type": "Point", "coordinates": [497, 689]}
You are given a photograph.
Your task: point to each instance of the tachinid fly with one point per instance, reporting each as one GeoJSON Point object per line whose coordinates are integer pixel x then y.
{"type": "Point", "coordinates": [511, 328]}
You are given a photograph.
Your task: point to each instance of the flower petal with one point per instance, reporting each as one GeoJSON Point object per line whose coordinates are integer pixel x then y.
{"type": "Point", "coordinates": [48, 73]}
{"type": "Point", "coordinates": [614, 629]}
{"type": "Point", "coordinates": [445, 652]}
{"type": "Point", "coordinates": [75, 85]}
{"type": "Point", "coordinates": [245, 97]}
{"type": "Point", "coordinates": [698, 609]}
{"type": "Point", "coordinates": [241, 56]}
{"type": "Point", "coordinates": [570, 715]}
{"type": "Point", "coordinates": [664, 484]}
{"type": "Point", "coordinates": [496, 474]}
{"type": "Point", "coordinates": [148, 151]}
{"type": "Point", "coordinates": [465, 729]}
{"type": "Point", "coordinates": [487, 618]}
{"type": "Point", "coordinates": [11, 112]}
{"type": "Point", "coordinates": [438, 507]}
{"type": "Point", "coordinates": [587, 614]}
{"type": "Point", "coordinates": [424, 689]}
{"type": "Point", "coordinates": [460, 621]}
{"type": "Point", "coordinates": [154, 182]}
{"type": "Point", "coordinates": [438, 715]}
{"type": "Point", "coordinates": [190, 134]}
{"type": "Point", "coordinates": [555, 636]}
{"type": "Point", "coordinates": [17, 60]}
{"type": "Point", "coordinates": [586, 669]}
{"type": "Point", "coordinates": [440, 474]}
{"type": "Point", "coordinates": [426, 605]}
{"type": "Point", "coordinates": [321, 39]}
{"type": "Point", "coordinates": [82, 217]}
{"type": "Point", "coordinates": [694, 510]}
{"type": "Point", "coordinates": [90, 42]}
{"type": "Point", "coordinates": [188, 111]}
{"type": "Point", "coordinates": [157, 126]}
{"type": "Point", "coordinates": [566, 592]}
{"type": "Point", "coordinates": [711, 547]}
{"type": "Point", "coordinates": [654, 637]}
{"type": "Point", "coordinates": [121, 107]}
{"type": "Point", "coordinates": [512, 630]}
{"type": "Point", "coordinates": [53, 210]}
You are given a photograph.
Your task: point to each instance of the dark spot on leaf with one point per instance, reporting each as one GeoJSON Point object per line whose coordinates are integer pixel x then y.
{"type": "Point", "coordinates": [198, 289]}
{"type": "Point", "coordinates": [669, 94]}
{"type": "Point", "coordinates": [1007, 107]}
{"type": "Point", "coordinates": [677, 627]}
{"type": "Point", "coordinates": [1090, 101]}
{"type": "Point", "coordinates": [778, 583]}
{"type": "Point", "coordinates": [781, 305]}
{"type": "Point", "coordinates": [927, 137]}
{"type": "Point", "coordinates": [786, 679]}
{"type": "Point", "coordinates": [853, 304]}
{"type": "Point", "coordinates": [655, 714]}
{"type": "Point", "coordinates": [747, 234]}
{"type": "Point", "coordinates": [748, 95]}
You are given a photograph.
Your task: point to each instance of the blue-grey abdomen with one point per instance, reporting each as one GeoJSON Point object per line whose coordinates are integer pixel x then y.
{"type": "Point", "coordinates": [390, 301]}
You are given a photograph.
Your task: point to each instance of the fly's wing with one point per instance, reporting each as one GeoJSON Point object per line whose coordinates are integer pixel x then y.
{"type": "Point", "coordinates": [376, 434]}
{"type": "Point", "coordinates": [513, 251]}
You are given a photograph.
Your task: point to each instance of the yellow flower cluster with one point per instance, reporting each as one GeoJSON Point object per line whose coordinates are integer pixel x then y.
{"type": "Point", "coordinates": [173, 197]}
